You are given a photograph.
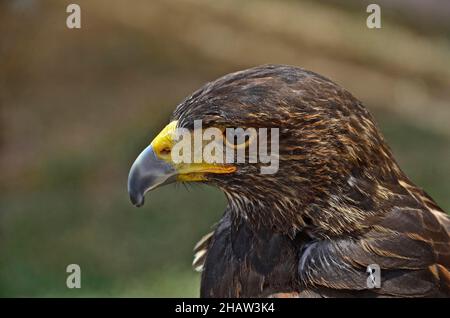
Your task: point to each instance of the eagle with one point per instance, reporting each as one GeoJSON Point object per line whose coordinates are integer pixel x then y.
{"type": "Point", "coordinates": [338, 207]}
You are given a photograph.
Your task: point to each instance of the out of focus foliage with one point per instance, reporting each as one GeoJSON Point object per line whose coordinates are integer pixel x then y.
{"type": "Point", "coordinates": [77, 106]}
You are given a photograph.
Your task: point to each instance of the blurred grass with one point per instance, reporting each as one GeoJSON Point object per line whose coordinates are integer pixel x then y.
{"type": "Point", "coordinates": [77, 106]}
{"type": "Point", "coordinates": [116, 246]}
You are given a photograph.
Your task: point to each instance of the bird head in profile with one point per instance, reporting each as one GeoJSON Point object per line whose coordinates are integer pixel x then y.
{"type": "Point", "coordinates": [315, 197]}
{"type": "Point", "coordinates": [331, 169]}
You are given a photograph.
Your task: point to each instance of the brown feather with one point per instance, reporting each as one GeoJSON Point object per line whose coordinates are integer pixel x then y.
{"type": "Point", "coordinates": [338, 203]}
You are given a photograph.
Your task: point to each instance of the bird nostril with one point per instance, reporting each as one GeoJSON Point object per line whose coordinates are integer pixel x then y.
{"type": "Point", "coordinates": [165, 151]}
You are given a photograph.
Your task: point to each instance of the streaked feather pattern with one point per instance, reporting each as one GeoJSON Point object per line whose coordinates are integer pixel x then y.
{"type": "Point", "coordinates": [338, 203]}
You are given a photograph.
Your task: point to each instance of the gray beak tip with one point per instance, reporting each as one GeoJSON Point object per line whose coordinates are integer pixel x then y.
{"type": "Point", "coordinates": [137, 199]}
{"type": "Point", "coordinates": [147, 172]}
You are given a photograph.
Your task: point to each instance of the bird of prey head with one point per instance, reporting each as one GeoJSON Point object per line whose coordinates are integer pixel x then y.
{"type": "Point", "coordinates": [336, 178]}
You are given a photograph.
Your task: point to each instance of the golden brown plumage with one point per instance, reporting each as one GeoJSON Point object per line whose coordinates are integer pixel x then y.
{"type": "Point", "coordinates": [338, 203]}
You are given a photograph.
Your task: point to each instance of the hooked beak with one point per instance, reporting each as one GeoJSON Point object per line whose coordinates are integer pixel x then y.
{"type": "Point", "coordinates": [154, 167]}
{"type": "Point", "coordinates": [147, 173]}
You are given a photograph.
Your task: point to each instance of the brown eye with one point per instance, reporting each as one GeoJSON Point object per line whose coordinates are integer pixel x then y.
{"type": "Point", "coordinates": [238, 138]}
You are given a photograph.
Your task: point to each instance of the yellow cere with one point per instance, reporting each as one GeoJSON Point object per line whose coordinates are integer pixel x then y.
{"type": "Point", "coordinates": [162, 145]}
{"type": "Point", "coordinates": [164, 140]}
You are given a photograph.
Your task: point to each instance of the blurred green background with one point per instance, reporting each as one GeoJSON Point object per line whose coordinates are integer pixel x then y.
{"type": "Point", "coordinates": [77, 106]}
